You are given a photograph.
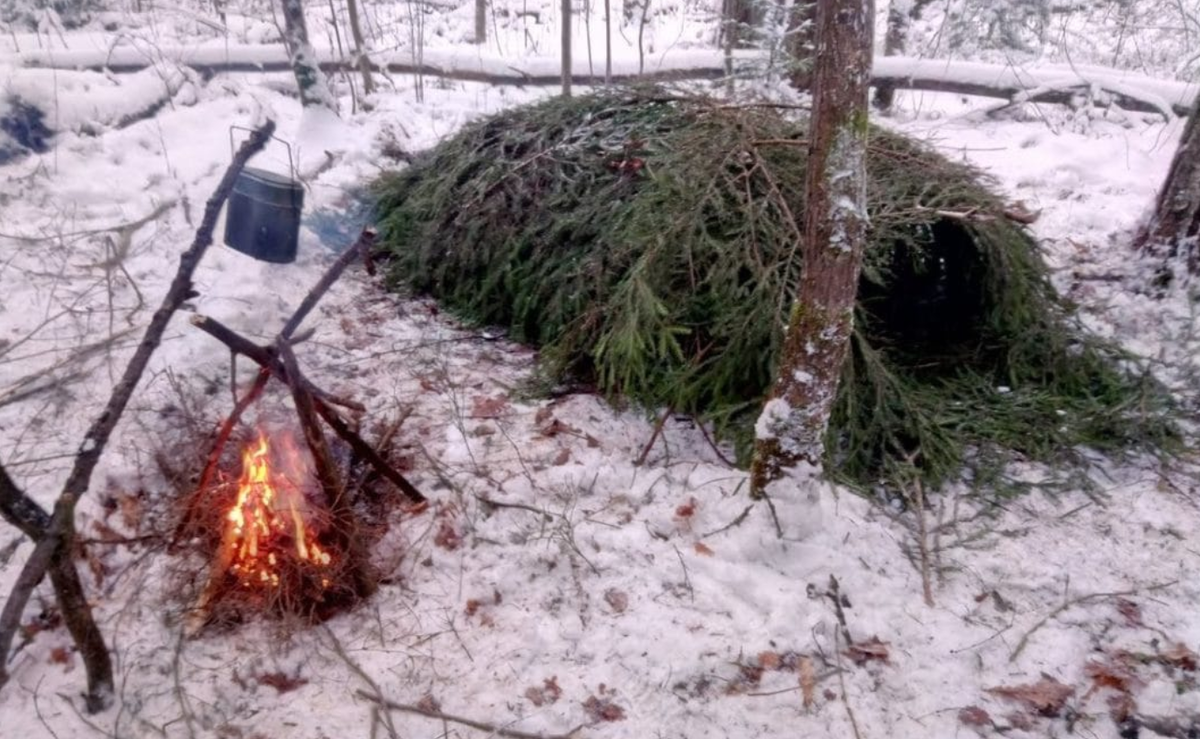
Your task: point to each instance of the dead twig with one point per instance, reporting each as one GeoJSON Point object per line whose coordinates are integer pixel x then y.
{"type": "Point", "coordinates": [658, 428]}
{"type": "Point", "coordinates": [842, 682]}
{"type": "Point", "coordinates": [1071, 603]}
{"type": "Point", "coordinates": [480, 725]}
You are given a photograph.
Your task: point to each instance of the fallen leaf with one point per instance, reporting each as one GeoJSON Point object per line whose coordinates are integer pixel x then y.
{"type": "Point", "coordinates": [602, 709]}
{"type": "Point", "coordinates": [545, 413]}
{"type": "Point", "coordinates": [1178, 655]}
{"type": "Point", "coordinates": [447, 537]}
{"type": "Point", "coordinates": [473, 606]}
{"type": "Point", "coordinates": [687, 510]}
{"type": "Point", "coordinates": [1047, 696]}
{"type": "Point", "coordinates": [617, 599]}
{"type": "Point", "coordinates": [703, 549]}
{"type": "Point", "coordinates": [556, 427]}
{"type": "Point", "coordinates": [864, 651]}
{"type": "Point", "coordinates": [1130, 611]}
{"type": "Point", "coordinates": [485, 407]}
{"type": "Point", "coordinates": [974, 716]}
{"type": "Point", "coordinates": [1110, 674]}
{"type": "Point", "coordinates": [563, 456]}
{"type": "Point", "coordinates": [769, 660]}
{"type": "Point", "coordinates": [281, 682]}
{"type": "Point", "coordinates": [60, 656]}
{"type": "Point", "coordinates": [808, 681]}
{"type": "Point", "coordinates": [548, 693]}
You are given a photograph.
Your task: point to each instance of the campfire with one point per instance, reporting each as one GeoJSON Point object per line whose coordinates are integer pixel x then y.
{"type": "Point", "coordinates": [285, 524]}
{"type": "Point", "coordinates": [269, 518]}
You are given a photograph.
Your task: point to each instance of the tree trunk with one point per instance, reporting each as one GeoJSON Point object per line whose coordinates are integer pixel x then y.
{"type": "Point", "coordinates": [740, 18]}
{"type": "Point", "coordinates": [1174, 229]}
{"type": "Point", "coordinates": [801, 38]}
{"type": "Point", "coordinates": [901, 14]}
{"type": "Point", "coordinates": [566, 48]}
{"type": "Point", "coordinates": [894, 43]}
{"type": "Point", "coordinates": [360, 47]}
{"type": "Point", "coordinates": [480, 21]}
{"type": "Point", "coordinates": [791, 428]}
{"type": "Point", "coordinates": [314, 88]}
{"type": "Point", "coordinates": [607, 42]}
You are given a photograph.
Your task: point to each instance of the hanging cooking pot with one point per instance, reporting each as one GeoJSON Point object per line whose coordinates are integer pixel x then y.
{"type": "Point", "coordinates": [263, 216]}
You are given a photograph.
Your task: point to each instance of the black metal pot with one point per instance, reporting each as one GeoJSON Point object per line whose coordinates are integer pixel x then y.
{"type": "Point", "coordinates": [263, 219]}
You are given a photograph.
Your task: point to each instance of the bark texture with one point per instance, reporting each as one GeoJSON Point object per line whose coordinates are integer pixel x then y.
{"type": "Point", "coordinates": [1174, 230]}
{"type": "Point", "coordinates": [314, 87]}
{"type": "Point", "coordinates": [792, 426]}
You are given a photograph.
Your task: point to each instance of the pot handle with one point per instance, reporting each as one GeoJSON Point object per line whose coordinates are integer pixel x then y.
{"type": "Point", "coordinates": [291, 162]}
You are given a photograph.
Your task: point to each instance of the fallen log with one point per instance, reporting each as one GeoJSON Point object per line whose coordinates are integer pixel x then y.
{"type": "Point", "coordinates": [1045, 83]}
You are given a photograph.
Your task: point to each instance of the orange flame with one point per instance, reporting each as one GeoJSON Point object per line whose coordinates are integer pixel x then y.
{"type": "Point", "coordinates": [269, 509]}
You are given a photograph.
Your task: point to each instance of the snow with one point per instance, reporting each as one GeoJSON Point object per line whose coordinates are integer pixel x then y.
{"type": "Point", "coordinates": [662, 583]}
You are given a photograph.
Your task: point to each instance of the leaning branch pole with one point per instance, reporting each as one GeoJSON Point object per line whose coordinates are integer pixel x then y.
{"type": "Point", "coordinates": [56, 543]}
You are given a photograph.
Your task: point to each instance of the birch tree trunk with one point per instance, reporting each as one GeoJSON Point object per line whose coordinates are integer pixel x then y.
{"type": "Point", "coordinates": [314, 88]}
{"type": "Point", "coordinates": [791, 428]}
{"type": "Point", "coordinates": [1174, 229]}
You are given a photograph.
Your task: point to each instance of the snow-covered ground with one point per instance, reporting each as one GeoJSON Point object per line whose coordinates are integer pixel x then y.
{"type": "Point", "coordinates": [554, 583]}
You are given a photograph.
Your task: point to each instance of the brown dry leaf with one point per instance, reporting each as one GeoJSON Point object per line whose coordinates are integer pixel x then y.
{"type": "Point", "coordinates": [447, 537]}
{"type": "Point", "coordinates": [485, 407]}
{"type": "Point", "coordinates": [808, 681]}
{"type": "Point", "coordinates": [1178, 655]}
{"type": "Point", "coordinates": [536, 696]}
{"type": "Point", "coordinates": [687, 510]}
{"type": "Point", "coordinates": [603, 709]}
{"type": "Point", "coordinates": [703, 549]}
{"type": "Point", "coordinates": [545, 413]}
{"type": "Point", "coordinates": [563, 456]}
{"type": "Point", "coordinates": [281, 682]}
{"type": "Point", "coordinates": [617, 599]}
{"type": "Point", "coordinates": [1047, 696]}
{"type": "Point", "coordinates": [550, 686]}
{"type": "Point", "coordinates": [1110, 674]}
{"type": "Point", "coordinates": [1130, 611]}
{"type": "Point", "coordinates": [769, 660]}
{"type": "Point", "coordinates": [974, 716]}
{"type": "Point", "coordinates": [473, 606]}
{"type": "Point", "coordinates": [865, 651]}
{"type": "Point", "coordinates": [60, 656]}
{"type": "Point", "coordinates": [556, 427]}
